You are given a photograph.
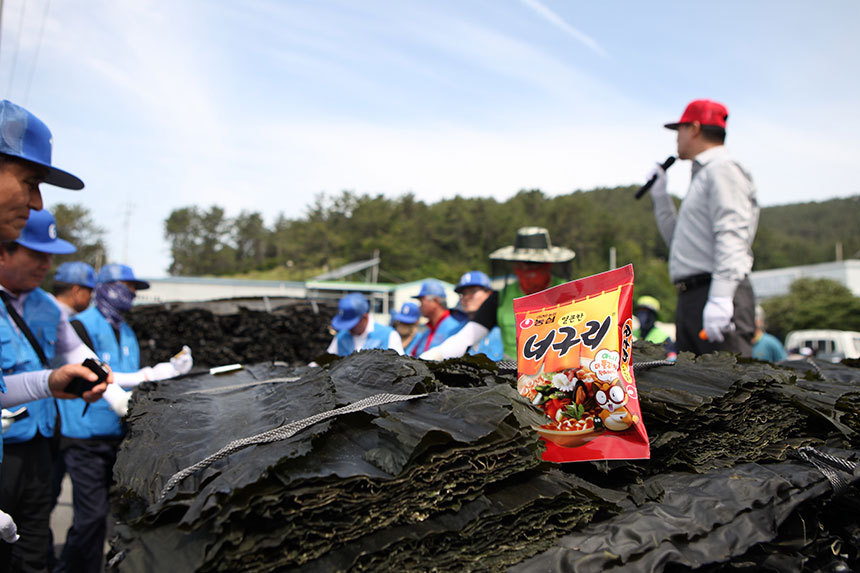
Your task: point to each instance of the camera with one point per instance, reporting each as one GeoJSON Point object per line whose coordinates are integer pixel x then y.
{"type": "Point", "coordinates": [79, 385]}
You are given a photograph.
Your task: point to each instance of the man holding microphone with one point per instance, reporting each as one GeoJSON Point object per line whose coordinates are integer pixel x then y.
{"type": "Point", "coordinates": [710, 238]}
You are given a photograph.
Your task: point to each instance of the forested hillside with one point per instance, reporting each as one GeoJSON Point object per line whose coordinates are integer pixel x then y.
{"type": "Point", "coordinates": [447, 238]}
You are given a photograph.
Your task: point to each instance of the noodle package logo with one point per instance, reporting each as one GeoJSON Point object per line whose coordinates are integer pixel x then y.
{"type": "Point", "coordinates": [574, 364]}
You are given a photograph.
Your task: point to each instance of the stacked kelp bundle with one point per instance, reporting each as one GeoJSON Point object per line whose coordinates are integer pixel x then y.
{"type": "Point", "coordinates": [219, 333]}
{"type": "Point", "coordinates": [451, 480]}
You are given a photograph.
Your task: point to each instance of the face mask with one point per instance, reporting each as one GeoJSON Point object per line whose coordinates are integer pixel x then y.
{"type": "Point", "coordinates": [113, 299]}
{"type": "Point", "coordinates": [533, 280]}
{"type": "Point", "coordinates": [646, 321]}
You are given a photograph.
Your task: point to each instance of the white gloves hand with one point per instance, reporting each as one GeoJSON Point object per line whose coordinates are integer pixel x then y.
{"type": "Point", "coordinates": [117, 399]}
{"type": "Point", "coordinates": [659, 187]}
{"type": "Point", "coordinates": [717, 317]}
{"type": "Point", "coordinates": [7, 419]}
{"type": "Point", "coordinates": [8, 529]}
{"type": "Point", "coordinates": [182, 361]}
{"type": "Point", "coordinates": [432, 354]}
{"type": "Point", "coordinates": [180, 364]}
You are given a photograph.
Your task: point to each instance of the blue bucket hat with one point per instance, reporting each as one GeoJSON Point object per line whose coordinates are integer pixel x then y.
{"type": "Point", "coordinates": [25, 136]}
{"type": "Point", "coordinates": [473, 278]}
{"type": "Point", "coordinates": [432, 288]}
{"type": "Point", "coordinates": [409, 313]}
{"type": "Point", "coordinates": [350, 309]}
{"type": "Point", "coordinates": [76, 273]}
{"type": "Point", "coordinates": [40, 234]}
{"type": "Point", "coordinates": [117, 272]}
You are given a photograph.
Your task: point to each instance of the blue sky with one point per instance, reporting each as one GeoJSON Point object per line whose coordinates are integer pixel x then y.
{"type": "Point", "coordinates": [260, 105]}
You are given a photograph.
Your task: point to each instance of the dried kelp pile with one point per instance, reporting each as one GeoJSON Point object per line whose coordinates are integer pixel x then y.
{"type": "Point", "coordinates": [219, 332]}
{"type": "Point", "coordinates": [447, 477]}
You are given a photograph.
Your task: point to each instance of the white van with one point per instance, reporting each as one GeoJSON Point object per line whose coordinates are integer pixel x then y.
{"type": "Point", "coordinates": [833, 345]}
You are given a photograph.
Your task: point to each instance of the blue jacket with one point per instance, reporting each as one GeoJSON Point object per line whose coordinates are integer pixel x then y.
{"type": "Point", "coordinates": [378, 338]}
{"type": "Point", "coordinates": [491, 345]}
{"type": "Point", "coordinates": [17, 355]}
{"type": "Point", "coordinates": [768, 348]}
{"type": "Point", "coordinates": [122, 356]}
{"type": "Point", "coordinates": [449, 326]}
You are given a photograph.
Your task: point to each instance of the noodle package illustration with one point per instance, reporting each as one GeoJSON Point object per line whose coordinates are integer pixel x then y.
{"type": "Point", "coordinates": [574, 363]}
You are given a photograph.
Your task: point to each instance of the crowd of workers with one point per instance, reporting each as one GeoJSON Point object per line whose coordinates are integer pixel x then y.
{"type": "Point", "coordinates": [50, 431]}
{"type": "Point", "coordinates": [58, 417]}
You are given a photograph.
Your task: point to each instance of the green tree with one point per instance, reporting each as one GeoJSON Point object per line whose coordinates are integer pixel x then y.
{"type": "Point", "coordinates": [813, 303]}
{"type": "Point", "coordinates": [199, 242]}
{"type": "Point", "coordinates": [75, 224]}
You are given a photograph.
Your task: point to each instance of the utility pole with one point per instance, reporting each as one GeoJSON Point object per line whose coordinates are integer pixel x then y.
{"type": "Point", "coordinates": [129, 208]}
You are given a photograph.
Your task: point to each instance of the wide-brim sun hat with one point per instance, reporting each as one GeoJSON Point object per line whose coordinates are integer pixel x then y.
{"type": "Point", "coordinates": [40, 234]}
{"type": "Point", "coordinates": [116, 272]}
{"type": "Point", "coordinates": [532, 245]}
{"type": "Point", "coordinates": [350, 309]}
{"type": "Point", "coordinates": [25, 136]}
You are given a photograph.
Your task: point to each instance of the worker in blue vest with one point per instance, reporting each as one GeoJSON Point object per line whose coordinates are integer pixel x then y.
{"type": "Point", "coordinates": [34, 333]}
{"type": "Point", "coordinates": [26, 147]}
{"type": "Point", "coordinates": [440, 324]}
{"type": "Point", "coordinates": [405, 322]}
{"type": "Point", "coordinates": [474, 288]}
{"type": "Point", "coordinates": [356, 329]}
{"type": "Point", "coordinates": [74, 282]}
{"type": "Point", "coordinates": [90, 440]}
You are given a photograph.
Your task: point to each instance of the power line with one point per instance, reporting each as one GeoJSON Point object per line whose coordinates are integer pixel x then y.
{"type": "Point", "coordinates": [17, 46]}
{"type": "Point", "coordinates": [38, 48]}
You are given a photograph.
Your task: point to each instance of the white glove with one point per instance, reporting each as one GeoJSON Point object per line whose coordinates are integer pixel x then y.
{"type": "Point", "coordinates": [182, 361]}
{"type": "Point", "coordinates": [432, 354]}
{"type": "Point", "coordinates": [117, 399]}
{"type": "Point", "coordinates": [659, 187]}
{"type": "Point", "coordinates": [717, 317]}
{"type": "Point", "coordinates": [8, 529]}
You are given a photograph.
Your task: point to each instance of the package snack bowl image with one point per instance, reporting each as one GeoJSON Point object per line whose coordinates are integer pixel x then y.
{"type": "Point", "coordinates": [574, 355]}
{"type": "Point", "coordinates": [567, 438]}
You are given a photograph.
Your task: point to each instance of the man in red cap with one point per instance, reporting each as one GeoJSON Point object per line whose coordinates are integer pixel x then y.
{"type": "Point", "coordinates": [710, 238]}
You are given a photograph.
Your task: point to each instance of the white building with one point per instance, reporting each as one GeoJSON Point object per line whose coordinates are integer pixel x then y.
{"type": "Point", "coordinates": [776, 282]}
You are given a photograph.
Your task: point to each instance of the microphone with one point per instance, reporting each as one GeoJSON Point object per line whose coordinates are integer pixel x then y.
{"type": "Point", "coordinates": [644, 189]}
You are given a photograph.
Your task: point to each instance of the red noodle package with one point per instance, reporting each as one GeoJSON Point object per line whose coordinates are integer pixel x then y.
{"type": "Point", "coordinates": [573, 362]}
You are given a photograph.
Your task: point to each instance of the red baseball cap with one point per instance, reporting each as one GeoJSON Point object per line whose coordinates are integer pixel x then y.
{"type": "Point", "coordinates": [705, 111]}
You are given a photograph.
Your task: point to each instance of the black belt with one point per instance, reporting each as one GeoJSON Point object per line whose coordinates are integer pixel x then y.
{"type": "Point", "coordinates": [692, 282]}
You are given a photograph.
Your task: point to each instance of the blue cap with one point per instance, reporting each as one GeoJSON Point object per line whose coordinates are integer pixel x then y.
{"type": "Point", "coordinates": [76, 273]}
{"type": "Point", "coordinates": [473, 278]}
{"type": "Point", "coordinates": [409, 313]}
{"type": "Point", "coordinates": [432, 288]}
{"type": "Point", "coordinates": [350, 309]}
{"type": "Point", "coordinates": [117, 272]}
{"type": "Point", "coordinates": [40, 234]}
{"type": "Point", "coordinates": [25, 136]}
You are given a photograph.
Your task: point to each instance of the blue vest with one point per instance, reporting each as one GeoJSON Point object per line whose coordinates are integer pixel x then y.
{"type": "Point", "coordinates": [449, 326]}
{"type": "Point", "coordinates": [413, 344]}
{"type": "Point", "coordinates": [122, 356]}
{"type": "Point", "coordinates": [378, 338]}
{"type": "Point", "coordinates": [491, 345]}
{"type": "Point", "coordinates": [17, 355]}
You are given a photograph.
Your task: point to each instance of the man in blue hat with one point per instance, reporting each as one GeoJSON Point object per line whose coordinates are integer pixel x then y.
{"type": "Point", "coordinates": [73, 286]}
{"type": "Point", "coordinates": [90, 441]}
{"type": "Point", "coordinates": [405, 322]}
{"type": "Point", "coordinates": [356, 329]}
{"type": "Point", "coordinates": [440, 324]}
{"type": "Point", "coordinates": [25, 162]}
{"type": "Point", "coordinates": [474, 288]}
{"type": "Point", "coordinates": [34, 333]}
